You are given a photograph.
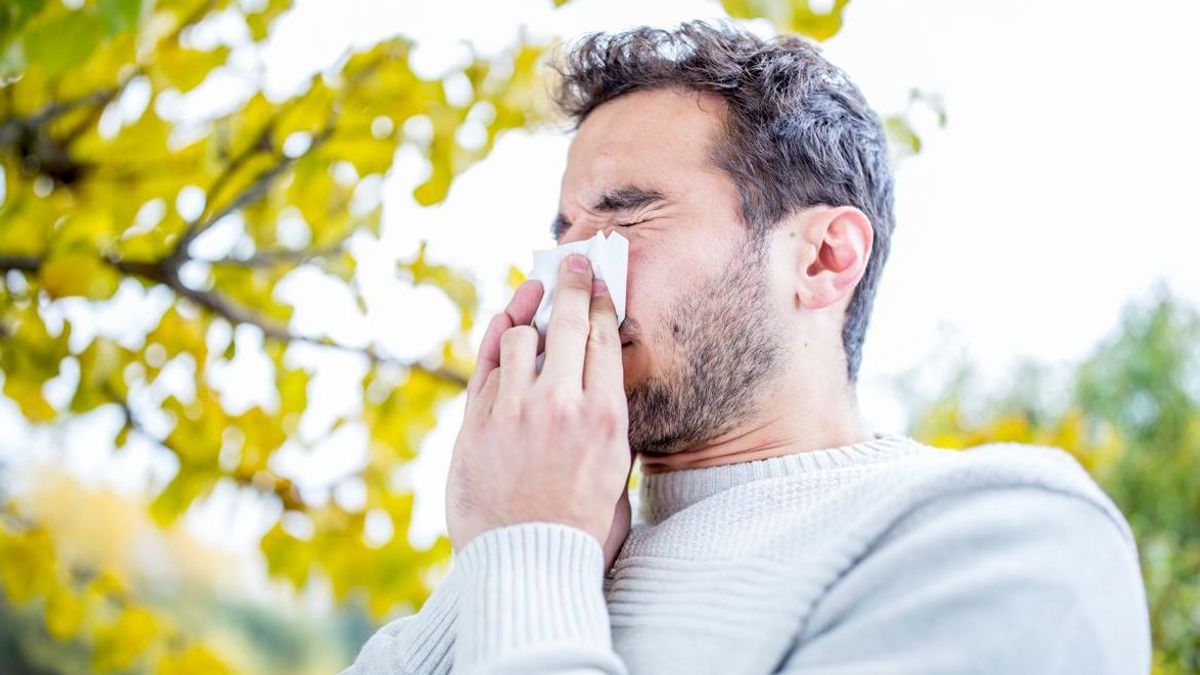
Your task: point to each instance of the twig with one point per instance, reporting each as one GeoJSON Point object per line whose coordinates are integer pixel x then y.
{"type": "Point", "coordinates": [249, 195]}
{"type": "Point", "coordinates": [19, 263]}
{"type": "Point", "coordinates": [163, 272]}
{"type": "Point", "coordinates": [275, 257]}
{"type": "Point", "coordinates": [10, 129]}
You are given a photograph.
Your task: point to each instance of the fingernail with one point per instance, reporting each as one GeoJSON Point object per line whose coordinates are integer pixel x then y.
{"type": "Point", "coordinates": [577, 263]}
{"type": "Point", "coordinates": [598, 287]}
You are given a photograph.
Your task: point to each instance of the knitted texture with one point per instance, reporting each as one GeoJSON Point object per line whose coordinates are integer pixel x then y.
{"type": "Point", "coordinates": [887, 556]}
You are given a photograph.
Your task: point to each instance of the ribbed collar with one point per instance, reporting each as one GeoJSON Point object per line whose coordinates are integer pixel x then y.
{"type": "Point", "coordinates": [663, 494]}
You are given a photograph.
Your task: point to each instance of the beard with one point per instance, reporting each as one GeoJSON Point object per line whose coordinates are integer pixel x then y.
{"type": "Point", "coordinates": [722, 345]}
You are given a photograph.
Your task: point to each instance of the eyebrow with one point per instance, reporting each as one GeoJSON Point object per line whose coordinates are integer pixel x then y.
{"type": "Point", "coordinates": [620, 200]}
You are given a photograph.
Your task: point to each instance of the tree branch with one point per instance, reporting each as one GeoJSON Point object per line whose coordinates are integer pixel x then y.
{"type": "Point", "coordinates": [275, 257]}
{"type": "Point", "coordinates": [10, 130]}
{"type": "Point", "coordinates": [19, 263]}
{"type": "Point", "coordinates": [165, 273]}
{"type": "Point", "coordinates": [252, 192]}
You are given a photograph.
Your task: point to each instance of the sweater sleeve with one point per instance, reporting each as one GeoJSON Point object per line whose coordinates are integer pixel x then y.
{"type": "Point", "coordinates": [533, 603]}
{"type": "Point", "coordinates": [1017, 580]}
{"type": "Point", "coordinates": [420, 644]}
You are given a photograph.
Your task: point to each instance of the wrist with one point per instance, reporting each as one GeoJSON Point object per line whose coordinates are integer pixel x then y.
{"type": "Point", "coordinates": [527, 585]}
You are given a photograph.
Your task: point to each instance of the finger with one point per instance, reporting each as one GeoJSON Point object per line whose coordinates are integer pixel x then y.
{"type": "Point", "coordinates": [484, 363]}
{"type": "Point", "coordinates": [518, 347]}
{"type": "Point", "coordinates": [486, 399]}
{"type": "Point", "coordinates": [519, 311]}
{"type": "Point", "coordinates": [566, 336]}
{"type": "Point", "coordinates": [603, 368]}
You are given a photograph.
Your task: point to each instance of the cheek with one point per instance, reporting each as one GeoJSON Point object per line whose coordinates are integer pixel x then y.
{"type": "Point", "coordinates": [641, 284]}
{"type": "Point", "coordinates": [650, 285]}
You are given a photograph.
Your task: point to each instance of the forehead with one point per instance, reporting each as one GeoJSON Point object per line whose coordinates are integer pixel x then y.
{"type": "Point", "coordinates": [658, 137]}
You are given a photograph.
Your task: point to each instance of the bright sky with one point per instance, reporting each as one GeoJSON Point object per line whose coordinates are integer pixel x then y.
{"type": "Point", "coordinates": [1057, 192]}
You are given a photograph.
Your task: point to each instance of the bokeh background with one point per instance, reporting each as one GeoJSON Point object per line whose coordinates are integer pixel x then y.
{"type": "Point", "coordinates": [248, 248]}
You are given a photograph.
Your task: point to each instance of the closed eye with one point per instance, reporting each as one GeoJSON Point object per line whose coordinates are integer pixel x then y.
{"type": "Point", "coordinates": [636, 222]}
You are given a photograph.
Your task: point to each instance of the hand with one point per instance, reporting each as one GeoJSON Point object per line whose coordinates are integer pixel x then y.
{"type": "Point", "coordinates": [551, 446]}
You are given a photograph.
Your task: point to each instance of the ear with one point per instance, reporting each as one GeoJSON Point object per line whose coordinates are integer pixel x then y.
{"type": "Point", "coordinates": [839, 241]}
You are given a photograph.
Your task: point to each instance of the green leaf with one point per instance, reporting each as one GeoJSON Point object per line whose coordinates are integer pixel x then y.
{"type": "Point", "coordinates": [901, 132]}
{"type": "Point", "coordinates": [63, 42]}
{"type": "Point", "coordinates": [13, 16]}
{"type": "Point", "coordinates": [120, 15]}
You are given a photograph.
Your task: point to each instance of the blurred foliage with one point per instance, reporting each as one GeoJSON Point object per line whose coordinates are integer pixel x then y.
{"type": "Point", "coordinates": [77, 605]}
{"type": "Point", "coordinates": [107, 179]}
{"type": "Point", "coordinates": [1130, 413]}
{"type": "Point", "coordinates": [791, 16]}
{"type": "Point", "coordinates": [114, 165]}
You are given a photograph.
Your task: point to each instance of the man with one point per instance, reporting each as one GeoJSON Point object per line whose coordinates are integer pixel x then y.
{"type": "Point", "coordinates": [777, 533]}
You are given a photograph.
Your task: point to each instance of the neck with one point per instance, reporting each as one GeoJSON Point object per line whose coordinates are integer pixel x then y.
{"type": "Point", "coordinates": [783, 425]}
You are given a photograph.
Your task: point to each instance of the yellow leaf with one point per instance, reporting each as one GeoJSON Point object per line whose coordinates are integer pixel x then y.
{"type": "Point", "coordinates": [309, 112]}
{"type": "Point", "coordinates": [28, 396]}
{"type": "Point", "coordinates": [193, 660]}
{"type": "Point", "coordinates": [457, 286]}
{"type": "Point", "coordinates": [29, 568]}
{"type": "Point", "coordinates": [64, 613]}
{"type": "Point", "coordinates": [185, 69]}
{"type": "Point", "coordinates": [515, 277]}
{"type": "Point", "coordinates": [100, 375]}
{"type": "Point", "coordinates": [120, 644]}
{"type": "Point", "coordinates": [287, 557]}
{"type": "Point", "coordinates": [79, 272]}
{"type": "Point", "coordinates": [293, 390]}
{"type": "Point", "coordinates": [368, 154]}
{"type": "Point", "coordinates": [260, 22]}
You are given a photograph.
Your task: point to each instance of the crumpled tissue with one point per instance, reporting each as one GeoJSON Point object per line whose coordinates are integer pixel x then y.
{"type": "Point", "coordinates": [610, 263]}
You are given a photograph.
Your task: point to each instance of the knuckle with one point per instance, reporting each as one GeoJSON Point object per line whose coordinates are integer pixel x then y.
{"type": "Point", "coordinates": [496, 322]}
{"type": "Point", "coordinates": [561, 409]}
{"type": "Point", "coordinates": [491, 381]}
{"type": "Point", "coordinates": [525, 332]}
{"type": "Point", "coordinates": [509, 408]}
{"type": "Point", "coordinates": [516, 336]}
{"type": "Point", "coordinates": [575, 324]}
{"type": "Point", "coordinates": [608, 419]}
{"type": "Point", "coordinates": [601, 335]}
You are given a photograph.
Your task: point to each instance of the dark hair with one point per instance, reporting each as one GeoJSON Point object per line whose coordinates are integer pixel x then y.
{"type": "Point", "coordinates": [797, 132]}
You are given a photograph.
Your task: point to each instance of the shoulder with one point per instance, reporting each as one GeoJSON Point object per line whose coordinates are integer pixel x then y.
{"type": "Point", "coordinates": [936, 476]}
{"type": "Point", "coordinates": [986, 548]}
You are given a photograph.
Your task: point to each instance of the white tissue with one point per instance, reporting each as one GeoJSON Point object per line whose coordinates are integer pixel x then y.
{"type": "Point", "coordinates": [610, 263]}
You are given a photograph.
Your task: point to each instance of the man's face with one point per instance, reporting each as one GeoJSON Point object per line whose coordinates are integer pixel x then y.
{"type": "Point", "coordinates": [702, 337]}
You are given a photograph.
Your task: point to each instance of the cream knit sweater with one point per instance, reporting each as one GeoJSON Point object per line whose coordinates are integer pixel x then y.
{"type": "Point", "coordinates": [884, 557]}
